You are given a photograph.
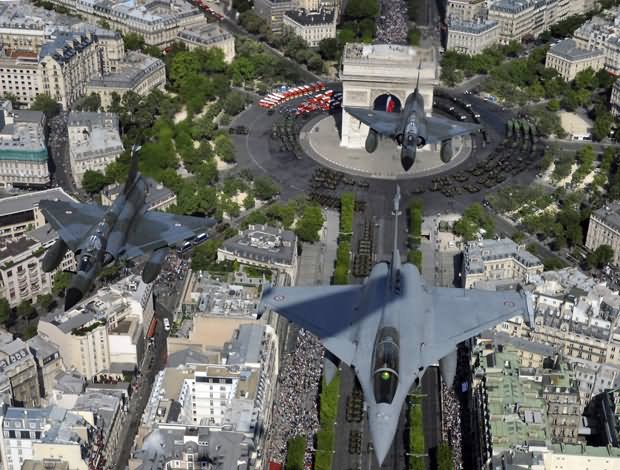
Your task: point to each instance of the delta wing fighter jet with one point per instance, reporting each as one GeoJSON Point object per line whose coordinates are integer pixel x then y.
{"type": "Point", "coordinates": [392, 327]}
{"type": "Point", "coordinates": [411, 128]}
{"type": "Point", "coordinates": [126, 230]}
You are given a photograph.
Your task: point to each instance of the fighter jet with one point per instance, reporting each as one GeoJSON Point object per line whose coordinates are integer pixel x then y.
{"type": "Point", "coordinates": [411, 128]}
{"type": "Point", "coordinates": [99, 236]}
{"type": "Point", "coordinates": [392, 327]}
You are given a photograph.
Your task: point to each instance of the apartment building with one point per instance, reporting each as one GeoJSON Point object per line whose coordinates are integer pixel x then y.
{"type": "Point", "coordinates": [23, 152]}
{"type": "Point", "coordinates": [497, 260]}
{"type": "Point", "coordinates": [104, 334]}
{"type": "Point", "coordinates": [207, 36]}
{"type": "Point", "coordinates": [518, 19]}
{"type": "Point", "coordinates": [264, 247]}
{"type": "Point", "coordinates": [604, 229]}
{"type": "Point", "coordinates": [44, 433]}
{"type": "Point", "coordinates": [21, 273]}
{"type": "Point", "coordinates": [472, 37]}
{"type": "Point", "coordinates": [158, 197]}
{"type": "Point", "coordinates": [602, 33]}
{"type": "Point", "coordinates": [568, 59]}
{"type": "Point", "coordinates": [158, 22]}
{"type": "Point", "coordinates": [94, 142]}
{"type": "Point", "coordinates": [48, 361]}
{"type": "Point", "coordinates": [21, 214]}
{"type": "Point", "coordinates": [229, 389]}
{"type": "Point", "coordinates": [272, 11]}
{"type": "Point", "coordinates": [186, 447]}
{"type": "Point", "coordinates": [19, 384]}
{"type": "Point", "coordinates": [466, 10]}
{"type": "Point", "coordinates": [311, 26]}
{"type": "Point", "coordinates": [140, 73]}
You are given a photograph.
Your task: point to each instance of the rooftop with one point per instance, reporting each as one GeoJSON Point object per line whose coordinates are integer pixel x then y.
{"type": "Point", "coordinates": [609, 214]}
{"type": "Point", "coordinates": [15, 248]}
{"type": "Point", "coordinates": [28, 201]}
{"type": "Point", "coordinates": [263, 244]}
{"type": "Point", "coordinates": [472, 27]}
{"type": "Point", "coordinates": [567, 49]}
{"type": "Point", "coordinates": [210, 33]}
{"type": "Point", "coordinates": [222, 299]}
{"type": "Point", "coordinates": [476, 253]}
{"type": "Point", "coordinates": [92, 135]}
{"type": "Point", "coordinates": [311, 18]}
{"type": "Point", "coordinates": [130, 72]}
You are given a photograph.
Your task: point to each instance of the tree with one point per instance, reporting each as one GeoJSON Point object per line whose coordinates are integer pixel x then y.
{"type": "Point", "coordinates": [310, 223]}
{"type": "Point", "coordinates": [414, 37]}
{"type": "Point", "coordinates": [328, 48]}
{"type": "Point", "coordinates": [315, 63]}
{"type": "Point", "coordinates": [475, 218]}
{"type": "Point", "coordinates": [602, 126]}
{"type": "Point", "coordinates": [90, 103]}
{"type": "Point", "coordinates": [445, 459]}
{"type": "Point", "coordinates": [205, 255]}
{"type": "Point", "coordinates": [249, 202]}
{"type": "Point", "coordinates": [265, 188]}
{"type": "Point", "coordinates": [46, 104]}
{"type": "Point", "coordinates": [296, 448]}
{"type": "Point", "coordinates": [94, 181]}
{"type": "Point", "coordinates": [25, 310]}
{"type": "Point", "coordinates": [602, 256]}
{"type": "Point", "coordinates": [104, 24]}
{"type": "Point", "coordinates": [360, 9]}
{"type": "Point", "coordinates": [225, 148]}
{"type": "Point", "coordinates": [61, 282]}
{"type": "Point", "coordinates": [234, 103]}
{"type": "Point", "coordinates": [45, 301]}
{"type": "Point", "coordinates": [5, 311]}
{"type": "Point", "coordinates": [133, 41]}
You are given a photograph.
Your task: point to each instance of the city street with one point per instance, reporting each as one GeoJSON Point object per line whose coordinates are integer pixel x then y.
{"type": "Point", "coordinates": [58, 149]}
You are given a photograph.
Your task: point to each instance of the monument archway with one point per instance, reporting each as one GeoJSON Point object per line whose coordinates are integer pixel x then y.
{"type": "Point", "coordinates": [387, 102]}
{"type": "Point", "coordinates": [371, 71]}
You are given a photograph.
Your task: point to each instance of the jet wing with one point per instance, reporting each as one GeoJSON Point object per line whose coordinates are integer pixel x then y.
{"type": "Point", "coordinates": [462, 313]}
{"type": "Point", "coordinates": [152, 230]}
{"type": "Point", "coordinates": [381, 121]}
{"type": "Point", "coordinates": [72, 220]}
{"type": "Point", "coordinates": [327, 311]}
{"type": "Point", "coordinates": [439, 129]}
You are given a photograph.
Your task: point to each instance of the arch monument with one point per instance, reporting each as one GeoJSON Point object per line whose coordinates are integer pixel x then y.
{"type": "Point", "coordinates": [381, 76]}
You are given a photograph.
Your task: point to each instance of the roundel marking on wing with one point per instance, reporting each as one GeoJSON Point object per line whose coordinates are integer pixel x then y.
{"type": "Point", "coordinates": [278, 298]}
{"type": "Point", "coordinates": [177, 224]}
{"type": "Point", "coordinates": [68, 212]}
{"type": "Point", "coordinates": [509, 303]}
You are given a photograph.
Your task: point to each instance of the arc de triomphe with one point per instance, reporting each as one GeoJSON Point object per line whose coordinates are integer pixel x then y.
{"type": "Point", "coordinates": [371, 73]}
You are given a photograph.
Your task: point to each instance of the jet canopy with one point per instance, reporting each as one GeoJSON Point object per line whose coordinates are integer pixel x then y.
{"type": "Point", "coordinates": [385, 377]}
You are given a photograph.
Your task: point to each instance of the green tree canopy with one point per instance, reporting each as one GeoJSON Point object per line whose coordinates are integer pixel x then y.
{"type": "Point", "coordinates": [600, 257]}
{"type": "Point", "coordinates": [475, 217]}
{"type": "Point", "coordinates": [310, 223]}
{"type": "Point", "coordinates": [265, 188]}
{"type": "Point", "coordinates": [5, 311]}
{"type": "Point", "coordinates": [94, 181]}
{"type": "Point", "coordinates": [46, 104]}
{"type": "Point", "coordinates": [133, 41]}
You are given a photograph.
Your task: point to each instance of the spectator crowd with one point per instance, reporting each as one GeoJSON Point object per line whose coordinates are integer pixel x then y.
{"type": "Point", "coordinates": [295, 411]}
{"type": "Point", "coordinates": [451, 423]}
{"type": "Point", "coordinates": [392, 24]}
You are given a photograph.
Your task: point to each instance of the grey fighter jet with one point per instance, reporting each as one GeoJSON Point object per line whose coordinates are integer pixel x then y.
{"type": "Point", "coordinates": [392, 327]}
{"type": "Point", "coordinates": [411, 128]}
{"type": "Point", "coordinates": [99, 236]}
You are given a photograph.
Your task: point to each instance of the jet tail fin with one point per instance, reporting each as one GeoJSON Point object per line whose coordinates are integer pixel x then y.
{"type": "Point", "coordinates": [417, 83]}
{"type": "Point", "coordinates": [395, 265]}
{"type": "Point", "coordinates": [133, 166]}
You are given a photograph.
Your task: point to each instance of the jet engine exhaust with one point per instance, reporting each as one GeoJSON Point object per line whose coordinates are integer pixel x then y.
{"type": "Point", "coordinates": [407, 157]}
{"type": "Point", "coordinates": [371, 141]}
{"type": "Point", "coordinates": [72, 296]}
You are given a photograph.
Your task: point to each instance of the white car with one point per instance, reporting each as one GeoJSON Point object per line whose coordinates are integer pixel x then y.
{"type": "Point", "coordinates": [166, 324]}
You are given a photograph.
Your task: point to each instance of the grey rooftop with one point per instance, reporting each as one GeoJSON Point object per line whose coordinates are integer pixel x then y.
{"type": "Point", "coordinates": [567, 49]}
{"type": "Point", "coordinates": [477, 252]}
{"type": "Point", "coordinates": [312, 18]}
{"type": "Point", "coordinates": [263, 244]}
{"type": "Point", "coordinates": [27, 201]}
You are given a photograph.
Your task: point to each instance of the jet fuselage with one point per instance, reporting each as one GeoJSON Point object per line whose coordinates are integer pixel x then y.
{"type": "Point", "coordinates": [105, 241]}
{"type": "Point", "coordinates": [412, 129]}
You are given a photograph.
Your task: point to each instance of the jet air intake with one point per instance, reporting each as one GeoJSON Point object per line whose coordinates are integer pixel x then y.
{"type": "Point", "coordinates": [152, 268]}
{"type": "Point", "coordinates": [54, 256]}
{"type": "Point", "coordinates": [447, 367]}
{"type": "Point", "coordinates": [372, 141]}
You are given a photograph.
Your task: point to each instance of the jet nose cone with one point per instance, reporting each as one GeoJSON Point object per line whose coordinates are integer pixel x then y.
{"type": "Point", "coordinates": [72, 297]}
{"type": "Point", "coordinates": [406, 162]}
{"type": "Point", "coordinates": [383, 420]}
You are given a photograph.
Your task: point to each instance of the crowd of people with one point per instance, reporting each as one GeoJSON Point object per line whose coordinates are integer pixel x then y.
{"type": "Point", "coordinates": [295, 410]}
{"type": "Point", "coordinates": [392, 24]}
{"type": "Point", "coordinates": [451, 423]}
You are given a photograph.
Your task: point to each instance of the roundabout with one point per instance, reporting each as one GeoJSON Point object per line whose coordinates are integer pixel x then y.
{"type": "Point", "coordinates": [320, 140]}
{"type": "Point", "coordinates": [302, 153]}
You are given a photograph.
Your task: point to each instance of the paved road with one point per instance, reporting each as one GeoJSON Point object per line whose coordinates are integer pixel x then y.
{"type": "Point", "coordinates": [58, 148]}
